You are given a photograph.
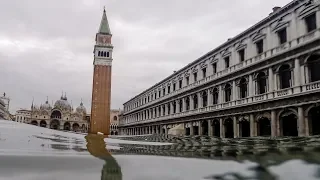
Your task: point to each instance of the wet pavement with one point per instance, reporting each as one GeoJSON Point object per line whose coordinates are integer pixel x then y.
{"type": "Point", "coordinates": [29, 152]}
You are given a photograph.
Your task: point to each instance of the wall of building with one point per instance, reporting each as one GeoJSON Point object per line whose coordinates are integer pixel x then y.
{"type": "Point", "coordinates": [270, 61]}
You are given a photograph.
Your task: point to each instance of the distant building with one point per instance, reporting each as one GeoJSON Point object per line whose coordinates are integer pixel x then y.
{"type": "Point", "coordinates": [114, 121]}
{"type": "Point", "coordinates": [60, 116]}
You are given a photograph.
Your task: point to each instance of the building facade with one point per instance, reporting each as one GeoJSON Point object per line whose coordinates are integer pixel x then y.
{"type": "Point", "coordinates": [4, 107]}
{"type": "Point", "coordinates": [263, 82]}
{"type": "Point", "coordinates": [114, 121]}
{"type": "Point", "coordinates": [101, 88]}
{"type": "Point", "coordinates": [23, 116]}
{"type": "Point", "coordinates": [59, 116]}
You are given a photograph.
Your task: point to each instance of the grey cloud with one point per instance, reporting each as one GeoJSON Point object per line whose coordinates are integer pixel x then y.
{"type": "Point", "coordinates": [46, 46]}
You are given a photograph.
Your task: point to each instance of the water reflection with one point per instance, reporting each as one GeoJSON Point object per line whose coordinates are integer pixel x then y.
{"type": "Point", "coordinates": [97, 148]}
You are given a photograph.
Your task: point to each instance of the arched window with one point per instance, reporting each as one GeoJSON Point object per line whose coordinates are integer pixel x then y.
{"type": "Point", "coordinates": [215, 96]}
{"type": "Point", "coordinates": [227, 93]}
{"type": "Point", "coordinates": [314, 67]}
{"type": "Point", "coordinates": [243, 88]}
{"type": "Point", "coordinates": [105, 54]}
{"type": "Point", "coordinates": [169, 108]}
{"type": "Point", "coordinates": [180, 105]}
{"type": "Point", "coordinates": [115, 118]}
{"type": "Point", "coordinates": [204, 99]}
{"type": "Point", "coordinates": [187, 103]}
{"type": "Point", "coordinates": [195, 101]}
{"type": "Point", "coordinates": [98, 53]}
{"type": "Point", "coordinates": [174, 106]}
{"type": "Point", "coordinates": [285, 76]}
{"type": "Point", "coordinates": [261, 83]}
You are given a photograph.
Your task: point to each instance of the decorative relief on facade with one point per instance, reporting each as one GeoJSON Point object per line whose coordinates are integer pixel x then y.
{"type": "Point", "coordinates": [203, 65]}
{"type": "Point", "coordinates": [186, 74]}
{"type": "Point", "coordinates": [280, 24]}
{"type": "Point", "coordinates": [225, 53]}
{"type": "Point", "coordinates": [258, 36]}
{"type": "Point", "coordinates": [310, 7]}
{"type": "Point", "coordinates": [194, 69]}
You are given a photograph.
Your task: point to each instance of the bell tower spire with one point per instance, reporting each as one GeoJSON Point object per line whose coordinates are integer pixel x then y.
{"type": "Point", "coordinates": [101, 87]}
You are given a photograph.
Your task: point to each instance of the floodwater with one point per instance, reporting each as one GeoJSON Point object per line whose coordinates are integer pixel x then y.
{"type": "Point", "coordinates": [33, 153]}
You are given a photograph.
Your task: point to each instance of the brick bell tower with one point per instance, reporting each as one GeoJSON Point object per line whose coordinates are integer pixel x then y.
{"type": "Point", "coordinates": [101, 87]}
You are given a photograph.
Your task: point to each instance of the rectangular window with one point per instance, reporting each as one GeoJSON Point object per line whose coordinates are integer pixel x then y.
{"type": "Point", "coordinates": [168, 89]}
{"type": "Point", "coordinates": [282, 35]}
{"type": "Point", "coordinates": [187, 80]}
{"type": "Point", "coordinates": [204, 72]}
{"type": "Point", "coordinates": [174, 86]}
{"type": "Point", "coordinates": [311, 22]}
{"type": "Point", "coordinates": [259, 45]}
{"type": "Point", "coordinates": [241, 55]}
{"type": "Point", "coordinates": [163, 92]}
{"type": "Point", "coordinates": [159, 93]}
{"type": "Point", "coordinates": [214, 68]}
{"type": "Point", "coordinates": [195, 77]}
{"type": "Point", "coordinates": [155, 95]}
{"type": "Point", "coordinates": [180, 84]}
{"type": "Point", "coordinates": [227, 62]}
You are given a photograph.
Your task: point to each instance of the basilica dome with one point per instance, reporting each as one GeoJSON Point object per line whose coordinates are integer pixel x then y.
{"type": "Point", "coordinates": [63, 104]}
{"type": "Point", "coordinates": [46, 106]}
{"type": "Point", "coordinates": [81, 109]}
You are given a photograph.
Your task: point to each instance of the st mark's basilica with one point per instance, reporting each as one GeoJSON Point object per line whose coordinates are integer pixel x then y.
{"type": "Point", "coordinates": [60, 116]}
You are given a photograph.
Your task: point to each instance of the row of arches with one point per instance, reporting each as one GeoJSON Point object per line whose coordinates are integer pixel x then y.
{"type": "Point", "coordinates": [288, 125]}
{"type": "Point", "coordinates": [55, 124]}
{"type": "Point", "coordinates": [103, 54]}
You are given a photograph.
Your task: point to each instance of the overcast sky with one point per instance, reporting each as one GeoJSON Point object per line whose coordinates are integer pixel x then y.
{"type": "Point", "coordinates": [46, 46]}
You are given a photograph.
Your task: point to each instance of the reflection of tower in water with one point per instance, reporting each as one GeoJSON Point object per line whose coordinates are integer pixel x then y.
{"type": "Point", "coordinates": [97, 148]}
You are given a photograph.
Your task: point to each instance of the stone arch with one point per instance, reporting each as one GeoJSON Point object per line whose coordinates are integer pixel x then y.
{"type": "Point", "coordinates": [204, 96]}
{"type": "Point", "coordinates": [216, 127]}
{"type": "Point", "coordinates": [313, 114]}
{"type": "Point", "coordinates": [205, 128]}
{"type": "Point", "coordinates": [43, 123]}
{"type": "Point", "coordinates": [263, 124]}
{"type": "Point", "coordinates": [243, 87]}
{"type": "Point", "coordinates": [244, 126]}
{"type": "Point", "coordinates": [313, 65]}
{"type": "Point", "coordinates": [288, 121]}
{"type": "Point", "coordinates": [261, 82]}
{"type": "Point", "coordinates": [56, 114]}
{"type": "Point", "coordinates": [228, 128]}
{"type": "Point", "coordinates": [285, 75]}
{"type": "Point", "coordinates": [112, 133]}
{"type": "Point", "coordinates": [227, 92]}
{"type": "Point", "coordinates": [67, 126]}
{"type": "Point", "coordinates": [75, 127]}
{"type": "Point", "coordinates": [34, 122]}
{"type": "Point", "coordinates": [215, 95]}
{"type": "Point", "coordinates": [55, 124]}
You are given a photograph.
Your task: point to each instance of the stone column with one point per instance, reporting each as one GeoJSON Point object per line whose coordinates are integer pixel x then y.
{"type": "Point", "coordinates": [297, 76]}
{"type": "Point", "coordinates": [199, 100]}
{"type": "Point", "coordinates": [252, 126]}
{"type": "Point", "coordinates": [250, 86]}
{"type": "Point", "coordinates": [165, 129]}
{"type": "Point", "coordinates": [301, 122]}
{"type": "Point", "coordinates": [271, 79]}
{"type": "Point", "coordinates": [191, 103]}
{"type": "Point", "coordinates": [177, 106]}
{"type": "Point", "coordinates": [210, 130]}
{"type": "Point", "coordinates": [234, 91]}
{"type": "Point", "coordinates": [221, 128]}
{"type": "Point", "coordinates": [274, 127]}
{"type": "Point", "coordinates": [191, 129]}
{"type": "Point", "coordinates": [200, 128]}
{"type": "Point", "coordinates": [184, 108]}
{"type": "Point", "coordinates": [154, 114]}
{"type": "Point", "coordinates": [166, 109]}
{"type": "Point", "coordinates": [235, 128]}
{"type": "Point", "coordinates": [220, 99]}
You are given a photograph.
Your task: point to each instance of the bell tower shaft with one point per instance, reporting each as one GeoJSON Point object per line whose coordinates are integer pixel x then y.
{"type": "Point", "coordinates": [101, 87]}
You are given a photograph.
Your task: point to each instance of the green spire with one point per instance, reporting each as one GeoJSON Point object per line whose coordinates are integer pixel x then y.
{"type": "Point", "coordinates": [104, 25]}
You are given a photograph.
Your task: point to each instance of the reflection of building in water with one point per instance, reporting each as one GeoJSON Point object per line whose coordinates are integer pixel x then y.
{"type": "Point", "coordinates": [97, 148]}
{"type": "Point", "coordinates": [4, 107]}
{"type": "Point", "coordinates": [114, 121]}
{"type": "Point", "coordinates": [263, 82]}
{"type": "Point", "coordinates": [60, 116]}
